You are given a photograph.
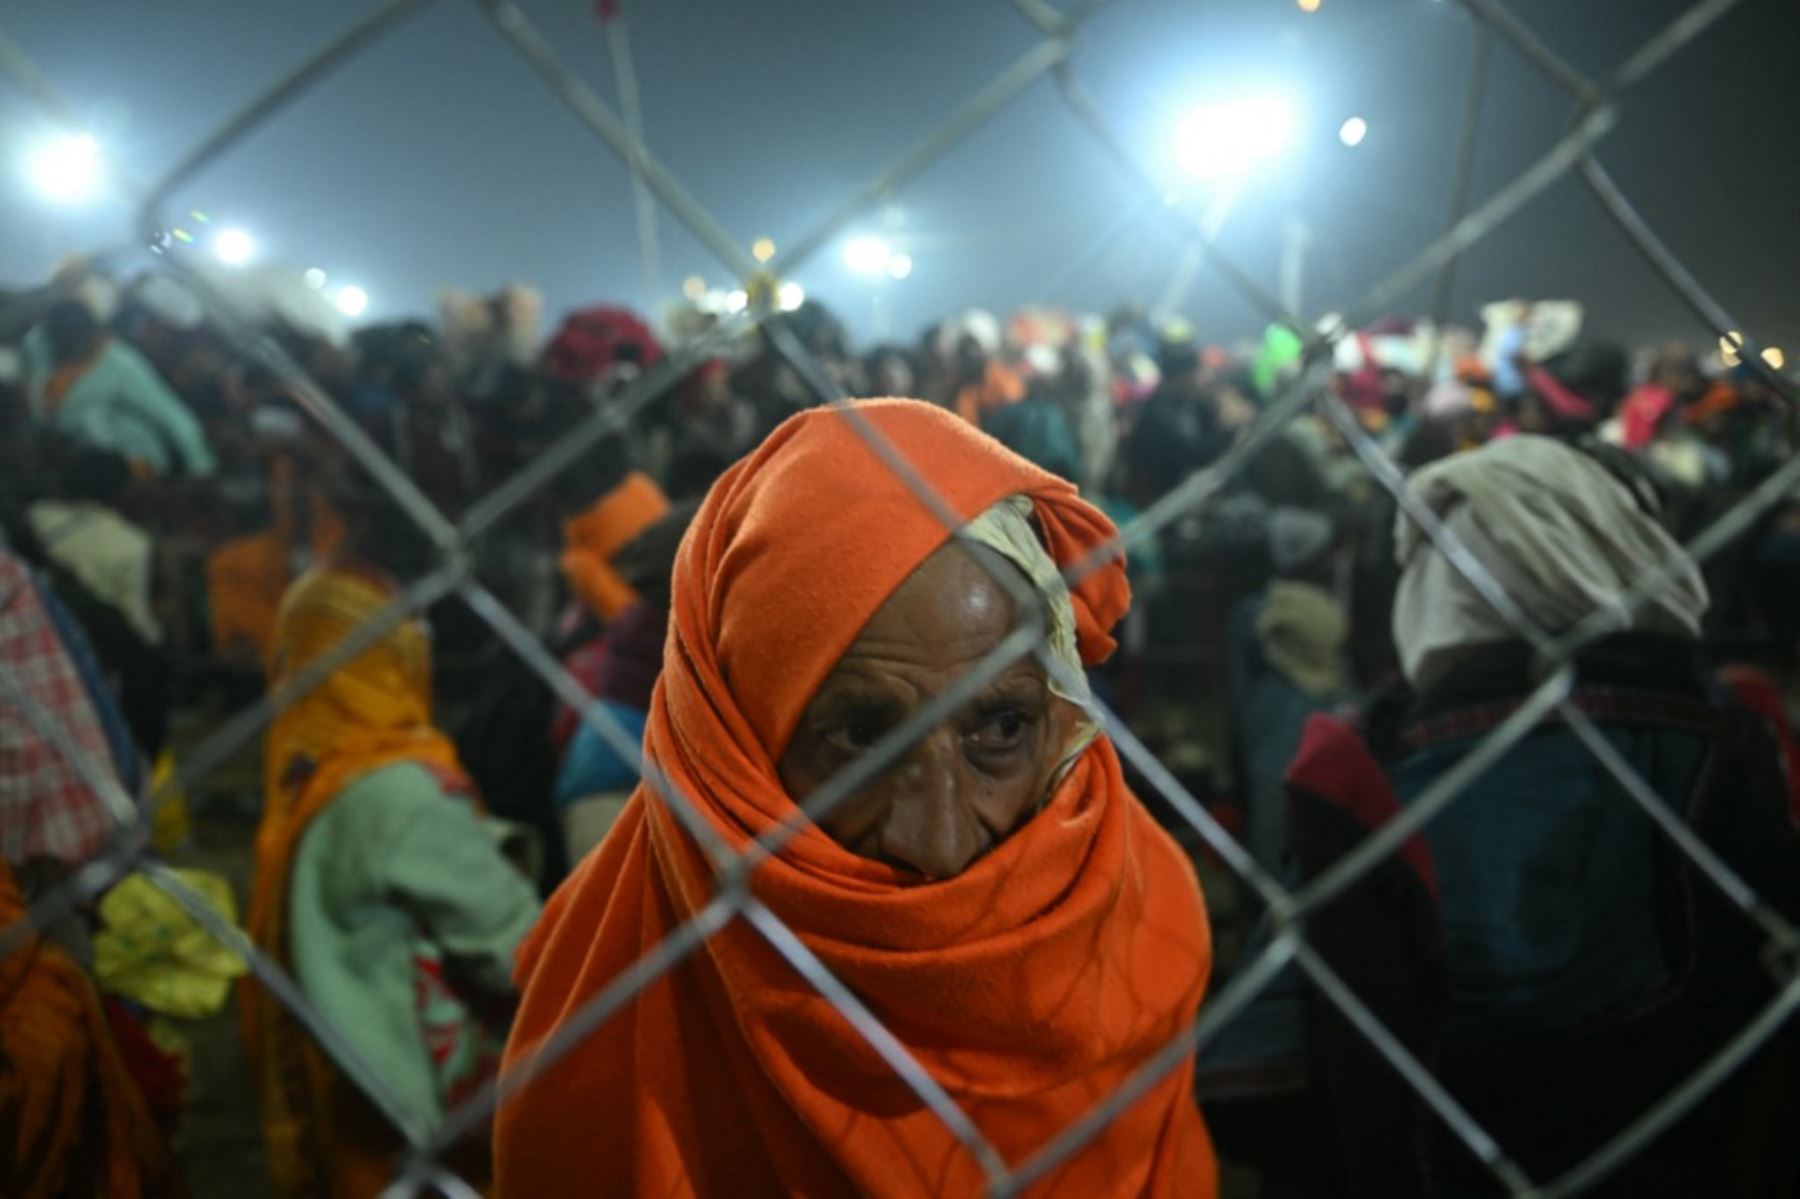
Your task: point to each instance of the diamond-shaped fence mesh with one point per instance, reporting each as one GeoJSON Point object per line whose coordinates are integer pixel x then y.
{"type": "Point", "coordinates": [1597, 108]}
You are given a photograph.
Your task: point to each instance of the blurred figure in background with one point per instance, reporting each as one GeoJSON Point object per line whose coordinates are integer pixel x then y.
{"type": "Point", "coordinates": [98, 390]}
{"type": "Point", "coordinates": [591, 538]}
{"type": "Point", "coordinates": [976, 382]}
{"type": "Point", "coordinates": [49, 808]}
{"type": "Point", "coordinates": [85, 534]}
{"type": "Point", "coordinates": [595, 779]}
{"type": "Point", "coordinates": [1285, 660]}
{"type": "Point", "coordinates": [378, 883]}
{"type": "Point", "coordinates": [1546, 949]}
{"type": "Point", "coordinates": [72, 1120]}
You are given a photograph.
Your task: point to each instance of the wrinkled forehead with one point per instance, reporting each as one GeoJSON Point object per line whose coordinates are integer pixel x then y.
{"type": "Point", "coordinates": [942, 619]}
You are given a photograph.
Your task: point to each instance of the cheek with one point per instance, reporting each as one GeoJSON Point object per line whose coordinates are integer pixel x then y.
{"type": "Point", "coordinates": [1005, 799]}
{"type": "Point", "coordinates": [1004, 804]}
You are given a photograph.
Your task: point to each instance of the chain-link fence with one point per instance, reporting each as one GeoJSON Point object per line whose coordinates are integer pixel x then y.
{"type": "Point", "coordinates": [1597, 107]}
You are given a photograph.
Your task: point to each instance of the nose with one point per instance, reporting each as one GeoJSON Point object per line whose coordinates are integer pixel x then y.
{"type": "Point", "coordinates": [930, 826]}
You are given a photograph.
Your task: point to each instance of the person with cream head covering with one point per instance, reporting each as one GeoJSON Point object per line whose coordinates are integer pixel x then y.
{"type": "Point", "coordinates": [1540, 939]}
{"type": "Point", "coordinates": [1560, 535]}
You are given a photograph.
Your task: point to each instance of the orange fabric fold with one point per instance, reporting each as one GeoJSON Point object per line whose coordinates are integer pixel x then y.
{"type": "Point", "coordinates": [591, 539]}
{"type": "Point", "coordinates": [72, 1121]}
{"type": "Point", "coordinates": [1030, 987]}
{"type": "Point", "coordinates": [372, 711]}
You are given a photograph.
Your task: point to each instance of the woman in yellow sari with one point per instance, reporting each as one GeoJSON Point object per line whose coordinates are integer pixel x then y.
{"type": "Point", "coordinates": [380, 885]}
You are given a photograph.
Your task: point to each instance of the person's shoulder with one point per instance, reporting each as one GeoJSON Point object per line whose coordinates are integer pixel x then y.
{"type": "Point", "coordinates": [126, 362]}
{"type": "Point", "coordinates": [46, 515]}
{"type": "Point", "coordinates": [396, 780]}
{"type": "Point", "coordinates": [381, 807]}
{"type": "Point", "coordinates": [1331, 749]}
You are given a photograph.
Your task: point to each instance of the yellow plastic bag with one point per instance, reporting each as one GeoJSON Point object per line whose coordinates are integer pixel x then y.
{"type": "Point", "coordinates": [150, 951]}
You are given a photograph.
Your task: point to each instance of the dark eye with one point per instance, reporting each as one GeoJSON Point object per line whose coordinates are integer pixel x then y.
{"type": "Point", "coordinates": [854, 736]}
{"type": "Point", "coordinates": [1001, 731]}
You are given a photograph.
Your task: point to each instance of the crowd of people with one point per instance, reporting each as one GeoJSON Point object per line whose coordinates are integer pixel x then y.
{"type": "Point", "coordinates": [451, 858]}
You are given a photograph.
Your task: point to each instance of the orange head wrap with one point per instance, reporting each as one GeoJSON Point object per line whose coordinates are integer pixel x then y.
{"type": "Point", "coordinates": [591, 539]}
{"type": "Point", "coordinates": [1030, 986]}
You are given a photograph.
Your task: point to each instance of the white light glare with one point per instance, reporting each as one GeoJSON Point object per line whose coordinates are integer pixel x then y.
{"type": "Point", "coordinates": [790, 296]}
{"type": "Point", "coordinates": [1352, 131]}
{"type": "Point", "coordinates": [352, 301]}
{"type": "Point", "coordinates": [737, 301]}
{"type": "Point", "coordinates": [1225, 140]}
{"type": "Point", "coordinates": [234, 247]}
{"type": "Point", "coordinates": [1774, 357]}
{"type": "Point", "coordinates": [867, 255]}
{"type": "Point", "coordinates": [313, 277]}
{"type": "Point", "coordinates": [900, 265]}
{"type": "Point", "coordinates": [66, 169]}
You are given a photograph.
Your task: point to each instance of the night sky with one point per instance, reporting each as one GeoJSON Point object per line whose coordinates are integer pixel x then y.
{"type": "Point", "coordinates": [438, 157]}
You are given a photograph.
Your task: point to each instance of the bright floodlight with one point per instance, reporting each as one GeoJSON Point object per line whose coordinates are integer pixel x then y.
{"type": "Point", "coordinates": [66, 169]}
{"type": "Point", "coordinates": [900, 265]}
{"type": "Point", "coordinates": [352, 301]}
{"type": "Point", "coordinates": [737, 301]}
{"type": "Point", "coordinates": [1225, 140]}
{"type": "Point", "coordinates": [313, 277]}
{"type": "Point", "coordinates": [1352, 132]}
{"type": "Point", "coordinates": [1774, 357]}
{"type": "Point", "coordinates": [867, 255]}
{"type": "Point", "coordinates": [234, 247]}
{"type": "Point", "coordinates": [790, 295]}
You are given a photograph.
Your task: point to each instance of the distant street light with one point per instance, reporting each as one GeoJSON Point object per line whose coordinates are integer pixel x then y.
{"type": "Point", "coordinates": [790, 295]}
{"type": "Point", "coordinates": [234, 247]}
{"type": "Point", "coordinates": [762, 249]}
{"type": "Point", "coordinates": [352, 301]}
{"type": "Point", "coordinates": [867, 255]}
{"type": "Point", "coordinates": [1352, 131]}
{"type": "Point", "coordinates": [900, 266]}
{"type": "Point", "coordinates": [1774, 357]}
{"type": "Point", "coordinates": [313, 277]}
{"type": "Point", "coordinates": [1224, 141]}
{"type": "Point", "coordinates": [66, 169]}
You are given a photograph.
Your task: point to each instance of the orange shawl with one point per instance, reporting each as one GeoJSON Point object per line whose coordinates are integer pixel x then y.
{"type": "Point", "coordinates": [72, 1121]}
{"type": "Point", "coordinates": [1031, 986]}
{"type": "Point", "coordinates": [591, 539]}
{"type": "Point", "coordinates": [371, 712]}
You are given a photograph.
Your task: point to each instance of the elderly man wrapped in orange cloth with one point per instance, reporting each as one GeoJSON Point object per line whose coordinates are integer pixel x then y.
{"type": "Point", "coordinates": [996, 897]}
